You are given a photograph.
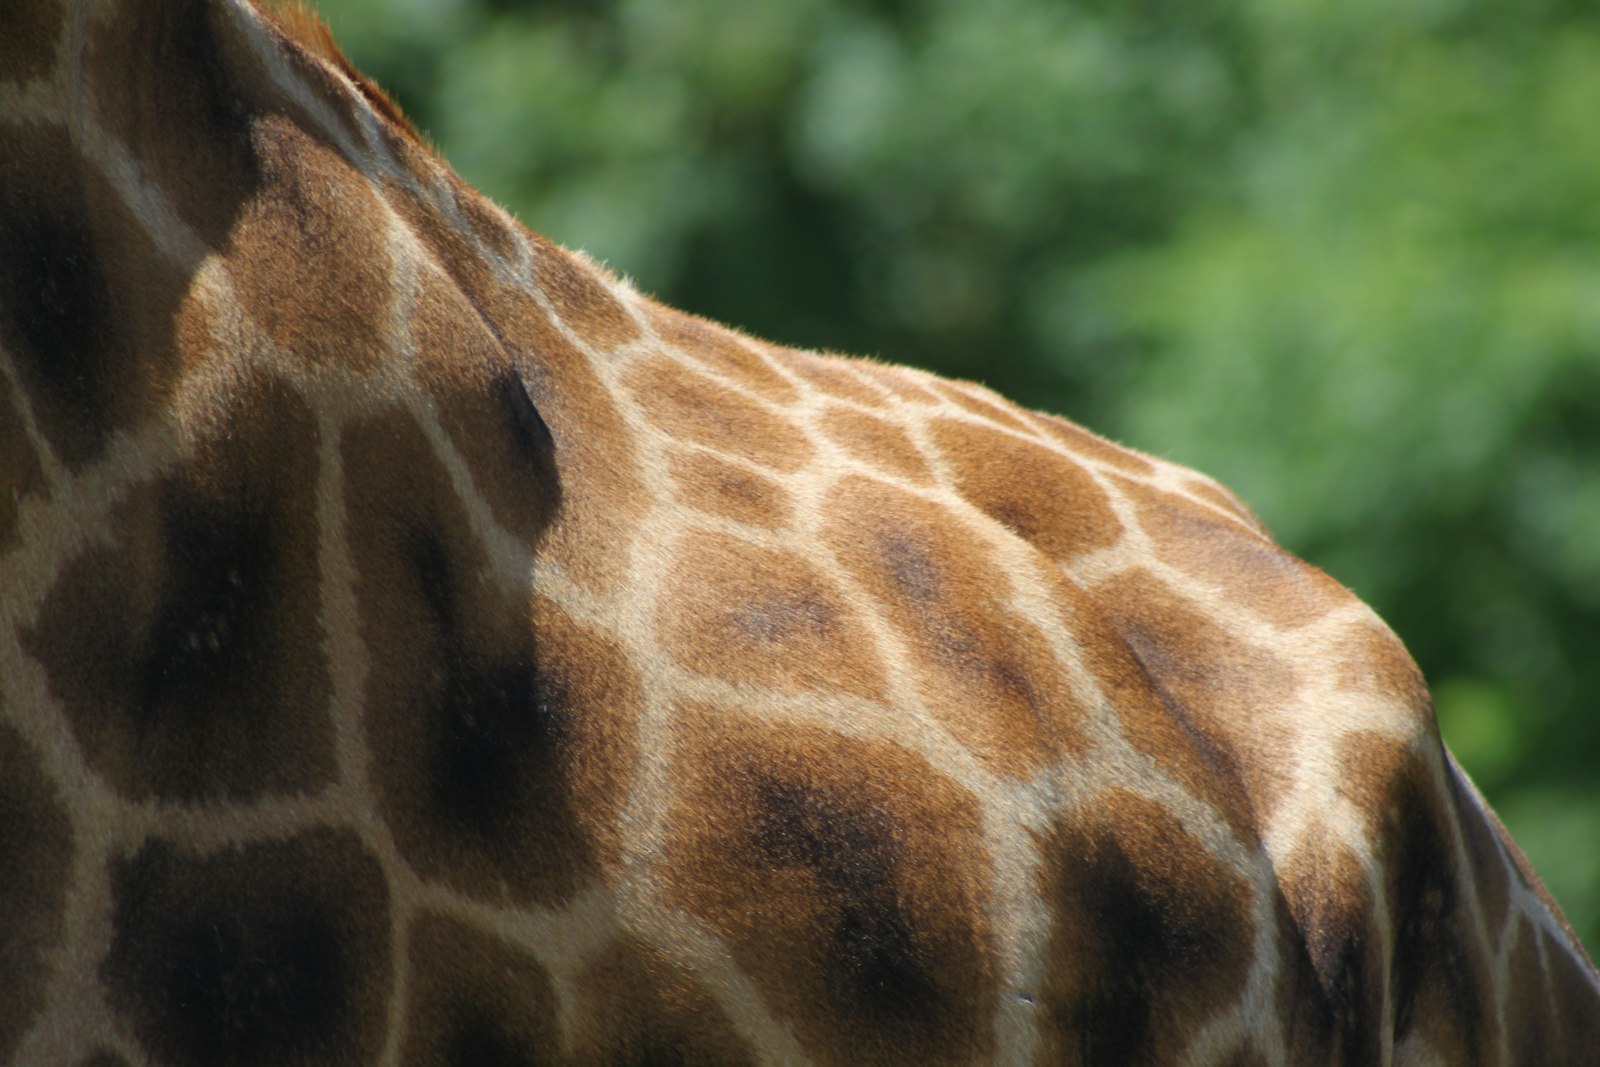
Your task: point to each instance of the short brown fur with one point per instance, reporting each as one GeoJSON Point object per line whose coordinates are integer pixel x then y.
{"type": "Point", "coordinates": [418, 647]}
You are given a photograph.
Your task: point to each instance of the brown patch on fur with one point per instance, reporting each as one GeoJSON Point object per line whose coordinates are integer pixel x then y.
{"type": "Point", "coordinates": [165, 87]}
{"type": "Point", "coordinates": [473, 999]}
{"type": "Point", "coordinates": [187, 652]}
{"type": "Point", "coordinates": [986, 405]}
{"type": "Point", "coordinates": [901, 383]}
{"type": "Point", "coordinates": [1371, 659]}
{"type": "Point", "coordinates": [581, 298]}
{"type": "Point", "coordinates": [742, 613]}
{"type": "Point", "coordinates": [485, 407]}
{"type": "Point", "coordinates": [1338, 1005]}
{"type": "Point", "coordinates": [309, 259]}
{"type": "Point", "coordinates": [30, 31]}
{"type": "Point", "coordinates": [876, 442]}
{"type": "Point", "coordinates": [721, 488]}
{"type": "Point", "coordinates": [1222, 497]}
{"type": "Point", "coordinates": [646, 1009]}
{"type": "Point", "coordinates": [1533, 1025]}
{"type": "Point", "coordinates": [1246, 568]}
{"type": "Point", "coordinates": [833, 375]}
{"type": "Point", "coordinates": [984, 670]}
{"type": "Point", "coordinates": [720, 350]}
{"type": "Point", "coordinates": [685, 404]}
{"type": "Point", "coordinates": [1440, 976]}
{"type": "Point", "coordinates": [602, 498]}
{"type": "Point", "coordinates": [1491, 874]}
{"type": "Point", "coordinates": [20, 474]}
{"type": "Point", "coordinates": [87, 300]}
{"type": "Point", "coordinates": [302, 26]}
{"type": "Point", "coordinates": [1573, 982]}
{"type": "Point", "coordinates": [502, 736]}
{"type": "Point", "coordinates": [274, 953]}
{"type": "Point", "coordinates": [1092, 446]}
{"type": "Point", "coordinates": [491, 226]}
{"type": "Point", "coordinates": [1148, 720]}
{"type": "Point", "coordinates": [1152, 934]}
{"type": "Point", "coordinates": [1043, 498]}
{"type": "Point", "coordinates": [849, 880]}
{"type": "Point", "coordinates": [36, 850]}
{"type": "Point", "coordinates": [1226, 694]}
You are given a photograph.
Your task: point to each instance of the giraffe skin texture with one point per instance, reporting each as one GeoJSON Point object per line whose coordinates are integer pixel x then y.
{"type": "Point", "coordinates": [418, 647]}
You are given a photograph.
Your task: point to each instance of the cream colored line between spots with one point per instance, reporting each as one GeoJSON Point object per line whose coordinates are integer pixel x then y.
{"type": "Point", "coordinates": [155, 213]}
{"type": "Point", "coordinates": [563, 940]}
{"type": "Point", "coordinates": [624, 292]}
{"type": "Point", "coordinates": [263, 42]}
{"type": "Point", "coordinates": [339, 616]}
{"type": "Point", "coordinates": [50, 466]}
{"type": "Point", "coordinates": [1254, 1015]}
{"type": "Point", "coordinates": [76, 1019]}
{"type": "Point", "coordinates": [686, 939]}
{"type": "Point", "coordinates": [1015, 907]}
{"type": "Point", "coordinates": [79, 514]}
{"type": "Point", "coordinates": [408, 257]}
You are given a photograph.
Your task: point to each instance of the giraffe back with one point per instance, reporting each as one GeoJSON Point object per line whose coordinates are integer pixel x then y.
{"type": "Point", "coordinates": [419, 647]}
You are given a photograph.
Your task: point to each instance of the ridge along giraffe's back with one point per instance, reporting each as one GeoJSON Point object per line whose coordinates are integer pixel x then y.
{"type": "Point", "coordinates": [418, 647]}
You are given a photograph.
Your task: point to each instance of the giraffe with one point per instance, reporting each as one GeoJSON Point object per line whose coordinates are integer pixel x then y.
{"type": "Point", "coordinates": [419, 647]}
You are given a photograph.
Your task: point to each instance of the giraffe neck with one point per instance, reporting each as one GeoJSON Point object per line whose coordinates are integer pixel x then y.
{"type": "Point", "coordinates": [418, 647]}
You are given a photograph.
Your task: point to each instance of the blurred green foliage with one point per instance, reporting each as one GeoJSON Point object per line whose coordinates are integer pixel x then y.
{"type": "Point", "coordinates": [1344, 256]}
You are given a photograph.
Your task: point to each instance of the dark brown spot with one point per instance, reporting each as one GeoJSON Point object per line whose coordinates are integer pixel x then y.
{"type": "Point", "coordinates": [901, 383]}
{"type": "Point", "coordinates": [722, 351]}
{"type": "Point", "coordinates": [104, 1058]}
{"type": "Point", "coordinates": [832, 375]}
{"type": "Point", "coordinates": [36, 856]}
{"type": "Point", "coordinates": [1249, 569]}
{"type": "Point", "coordinates": [269, 954]}
{"type": "Point", "coordinates": [500, 732]}
{"type": "Point", "coordinates": [848, 879]}
{"type": "Point", "coordinates": [1152, 935]}
{"type": "Point", "coordinates": [1092, 446]}
{"type": "Point", "coordinates": [30, 31]}
{"type": "Point", "coordinates": [875, 441]}
{"type": "Point", "coordinates": [20, 473]}
{"type": "Point", "coordinates": [1439, 978]}
{"type": "Point", "coordinates": [485, 406]}
{"type": "Point", "coordinates": [644, 1009]}
{"type": "Point", "coordinates": [1371, 659]}
{"type": "Point", "coordinates": [688, 405]}
{"type": "Point", "coordinates": [1043, 498]}
{"type": "Point", "coordinates": [747, 614]}
{"type": "Point", "coordinates": [1334, 989]}
{"type": "Point", "coordinates": [87, 302]}
{"type": "Point", "coordinates": [601, 496]}
{"type": "Point", "coordinates": [1227, 695]}
{"type": "Point", "coordinates": [1221, 497]}
{"type": "Point", "coordinates": [980, 401]}
{"type": "Point", "coordinates": [984, 670]}
{"type": "Point", "coordinates": [188, 652]}
{"type": "Point", "coordinates": [475, 1001]}
{"type": "Point", "coordinates": [309, 259]}
{"type": "Point", "coordinates": [165, 90]}
{"type": "Point", "coordinates": [582, 301]}
{"type": "Point", "coordinates": [718, 487]}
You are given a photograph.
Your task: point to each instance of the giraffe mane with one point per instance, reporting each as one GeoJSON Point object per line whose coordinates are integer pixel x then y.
{"type": "Point", "coordinates": [302, 26]}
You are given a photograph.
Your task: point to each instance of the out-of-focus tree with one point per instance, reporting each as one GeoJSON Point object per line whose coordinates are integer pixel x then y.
{"type": "Point", "coordinates": [1345, 256]}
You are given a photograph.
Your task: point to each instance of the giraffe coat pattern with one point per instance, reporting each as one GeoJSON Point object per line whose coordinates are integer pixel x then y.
{"type": "Point", "coordinates": [417, 647]}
